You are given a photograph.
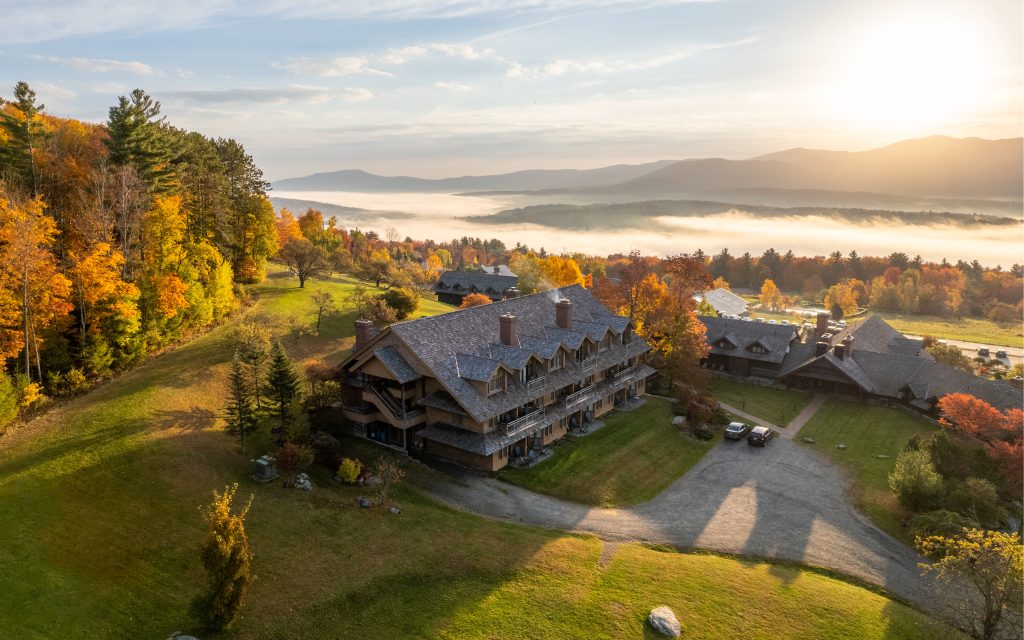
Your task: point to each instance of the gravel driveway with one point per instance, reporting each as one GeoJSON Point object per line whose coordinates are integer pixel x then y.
{"type": "Point", "coordinates": [785, 501]}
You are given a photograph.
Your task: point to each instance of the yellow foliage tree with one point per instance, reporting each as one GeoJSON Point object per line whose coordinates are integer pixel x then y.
{"type": "Point", "coordinates": [841, 299]}
{"type": "Point", "coordinates": [771, 297]}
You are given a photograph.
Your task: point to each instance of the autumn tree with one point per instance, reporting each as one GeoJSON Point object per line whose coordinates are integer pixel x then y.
{"type": "Point", "coordinates": [771, 298]}
{"type": "Point", "coordinates": [1002, 434]}
{"type": "Point", "coordinates": [841, 300]}
{"type": "Point", "coordinates": [388, 475]}
{"type": "Point", "coordinates": [951, 355]}
{"type": "Point", "coordinates": [675, 331]}
{"type": "Point", "coordinates": [980, 573]}
{"type": "Point", "coordinates": [403, 300]}
{"type": "Point", "coordinates": [29, 267]}
{"type": "Point", "coordinates": [303, 259]}
{"type": "Point", "coordinates": [226, 556]}
{"type": "Point", "coordinates": [323, 303]}
{"type": "Point", "coordinates": [474, 300]}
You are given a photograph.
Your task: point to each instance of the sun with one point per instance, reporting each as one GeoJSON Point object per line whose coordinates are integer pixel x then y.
{"type": "Point", "coordinates": [915, 71]}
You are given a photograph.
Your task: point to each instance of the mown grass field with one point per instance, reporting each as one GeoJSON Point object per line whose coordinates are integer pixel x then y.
{"type": "Point", "coordinates": [777, 406]}
{"type": "Point", "coordinates": [631, 459]}
{"type": "Point", "coordinates": [968, 329]}
{"type": "Point", "coordinates": [100, 523]}
{"type": "Point", "coordinates": [868, 432]}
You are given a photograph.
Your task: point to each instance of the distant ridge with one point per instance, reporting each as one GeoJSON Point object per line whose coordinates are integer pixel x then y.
{"type": "Point", "coordinates": [956, 174]}
{"type": "Point", "coordinates": [528, 180]}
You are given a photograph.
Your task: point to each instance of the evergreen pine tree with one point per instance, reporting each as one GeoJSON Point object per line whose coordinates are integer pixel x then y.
{"type": "Point", "coordinates": [241, 416]}
{"type": "Point", "coordinates": [282, 382]}
{"type": "Point", "coordinates": [24, 132]}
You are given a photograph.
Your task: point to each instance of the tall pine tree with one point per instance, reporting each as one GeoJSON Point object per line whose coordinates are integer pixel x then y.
{"type": "Point", "coordinates": [241, 415]}
{"type": "Point", "coordinates": [22, 126]}
{"type": "Point", "coordinates": [282, 382]}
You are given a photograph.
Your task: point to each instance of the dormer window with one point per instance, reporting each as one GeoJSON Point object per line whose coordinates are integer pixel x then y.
{"type": "Point", "coordinates": [558, 361]}
{"type": "Point", "coordinates": [722, 343]}
{"type": "Point", "coordinates": [757, 347]}
{"type": "Point", "coordinates": [497, 383]}
{"type": "Point", "coordinates": [606, 342]}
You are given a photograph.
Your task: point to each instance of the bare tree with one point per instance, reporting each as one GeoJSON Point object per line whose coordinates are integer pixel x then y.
{"type": "Point", "coordinates": [323, 301]}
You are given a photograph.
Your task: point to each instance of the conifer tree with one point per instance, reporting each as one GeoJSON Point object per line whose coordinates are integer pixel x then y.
{"type": "Point", "coordinates": [282, 382]}
{"type": "Point", "coordinates": [241, 416]}
{"type": "Point", "coordinates": [24, 132]}
{"type": "Point", "coordinates": [226, 556]}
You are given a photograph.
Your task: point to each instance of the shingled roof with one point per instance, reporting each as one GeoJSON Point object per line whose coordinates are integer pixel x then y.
{"type": "Point", "coordinates": [724, 301]}
{"type": "Point", "coordinates": [776, 338]}
{"type": "Point", "coordinates": [485, 281]}
{"type": "Point", "coordinates": [463, 346]}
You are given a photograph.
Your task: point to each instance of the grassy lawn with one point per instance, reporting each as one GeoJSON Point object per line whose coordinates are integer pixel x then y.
{"type": "Point", "coordinates": [967, 329]}
{"type": "Point", "coordinates": [100, 531]}
{"type": "Point", "coordinates": [631, 459]}
{"type": "Point", "coordinates": [867, 431]}
{"type": "Point", "coordinates": [777, 406]}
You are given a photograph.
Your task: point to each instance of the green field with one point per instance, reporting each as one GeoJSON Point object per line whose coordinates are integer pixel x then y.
{"type": "Point", "coordinates": [100, 525]}
{"type": "Point", "coordinates": [631, 459]}
{"type": "Point", "coordinates": [967, 329]}
{"type": "Point", "coordinates": [777, 406]}
{"type": "Point", "coordinates": [868, 432]}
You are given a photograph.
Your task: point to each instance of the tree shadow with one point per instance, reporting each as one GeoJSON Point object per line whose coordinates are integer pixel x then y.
{"type": "Point", "coordinates": [194, 419]}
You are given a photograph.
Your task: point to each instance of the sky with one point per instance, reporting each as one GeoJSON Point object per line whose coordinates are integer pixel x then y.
{"type": "Point", "coordinates": [437, 88]}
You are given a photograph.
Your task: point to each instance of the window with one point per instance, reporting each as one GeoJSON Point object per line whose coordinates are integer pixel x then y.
{"type": "Point", "coordinates": [557, 361]}
{"type": "Point", "coordinates": [497, 383]}
{"type": "Point", "coordinates": [523, 374]}
{"type": "Point", "coordinates": [757, 348]}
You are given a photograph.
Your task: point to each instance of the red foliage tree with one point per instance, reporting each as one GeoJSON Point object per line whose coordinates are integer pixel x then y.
{"type": "Point", "coordinates": [1002, 433]}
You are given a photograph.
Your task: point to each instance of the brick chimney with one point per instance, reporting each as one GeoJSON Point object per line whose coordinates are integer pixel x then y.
{"type": "Point", "coordinates": [848, 345]}
{"type": "Point", "coordinates": [511, 292]}
{"type": "Point", "coordinates": [563, 313]}
{"type": "Point", "coordinates": [497, 269]}
{"type": "Point", "coordinates": [821, 347]}
{"type": "Point", "coordinates": [822, 325]}
{"type": "Point", "coordinates": [507, 327]}
{"type": "Point", "coordinates": [840, 351]}
{"type": "Point", "coordinates": [364, 331]}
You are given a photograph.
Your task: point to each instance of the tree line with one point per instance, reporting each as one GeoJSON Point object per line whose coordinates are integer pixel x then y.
{"type": "Point", "coordinates": [116, 240]}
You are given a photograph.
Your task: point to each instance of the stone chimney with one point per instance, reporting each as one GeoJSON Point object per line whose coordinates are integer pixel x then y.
{"type": "Point", "coordinates": [364, 331]}
{"type": "Point", "coordinates": [848, 345]}
{"type": "Point", "coordinates": [563, 313]}
{"type": "Point", "coordinates": [511, 292]}
{"type": "Point", "coordinates": [497, 269]}
{"type": "Point", "coordinates": [840, 350]}
{"type": "Point", "coordinates": [507, 330]}
{"type": "Point", "coordinates": [821, 347]}
{"type": "Point", "coordinates": [822, 325]}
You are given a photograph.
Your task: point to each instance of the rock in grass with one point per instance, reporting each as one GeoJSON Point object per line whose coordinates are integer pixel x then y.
{"type": "Point", "coordinates": [809, 440]}
{"type": "Point", "coordinates": [840, 446]}
{"type": "Point", "coordinates": [664, 622]}
{"type": "Point", "coordinates": [882, 456]}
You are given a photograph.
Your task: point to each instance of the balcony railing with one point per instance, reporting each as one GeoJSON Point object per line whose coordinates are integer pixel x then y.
{"type": "Point", "coordinates": [525, 423]}
{"type": "Point", "coordinates": [536, 384]}
{"type": "Point", "coordinates": [589, 364]}
{"type": "Point", "coordinates": [625, 373]}
{"type": "Point", "coordinates": [580, 396]}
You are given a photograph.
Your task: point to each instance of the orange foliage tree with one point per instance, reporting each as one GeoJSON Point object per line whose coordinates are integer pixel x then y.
{"type": "Point", "coordinates": [1002, 433]}
{"type": "Point", "coordinates": [474, 300]}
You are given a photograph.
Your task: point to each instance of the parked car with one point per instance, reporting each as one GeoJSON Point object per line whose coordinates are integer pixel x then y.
{"type": "Point", "coordinates": [983, 352]}
{"type": "Point", "coordinates": [1001, 353]}
{"type": "Point", "coordinates": [737, 431]}
{"type": "Point", "coordinates": [760, 436]}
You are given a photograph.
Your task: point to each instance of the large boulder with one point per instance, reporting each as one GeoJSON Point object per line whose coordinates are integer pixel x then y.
{"type": "Point", "coordinates": [664, 622]}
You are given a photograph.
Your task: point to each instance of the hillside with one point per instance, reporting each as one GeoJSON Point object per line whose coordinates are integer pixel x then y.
{"type": "Point", "coordinates": [936, 167]}
{"type": "Point", "coordinates": [528, 180]}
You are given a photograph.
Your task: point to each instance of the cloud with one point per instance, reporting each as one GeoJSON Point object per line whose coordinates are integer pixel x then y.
{"type": "Point", "coordinates": [453, 86]}
{"type": "Point", "coordinates": [183, 73]}
{"type": "Point", "coordinates": [329, 68]}
{"type": "Point", "coordinates": [101, 65]}
{"type": "Point", "coordinates": [52, 91]}
{"type": "Point", "coordinates": [28, 22]}
{"type": "Point", "coordinates": [401, 56]}
{"type": "Point", "coordinates": [272, 95]}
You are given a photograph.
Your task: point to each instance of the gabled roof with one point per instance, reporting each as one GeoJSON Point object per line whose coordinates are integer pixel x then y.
{"type": "Point", "coordinates": [743, 333]}
{"type": "Point", "coordinates": [724, 301]}
{"type": "Point", "coordinates": [476, 281]}
{"type": "Point", "coordinates": [459, 347]}
{"type": "Point", "coordinates": [875, 334]}
{"type": "Point", "coordinates": [394, 362]}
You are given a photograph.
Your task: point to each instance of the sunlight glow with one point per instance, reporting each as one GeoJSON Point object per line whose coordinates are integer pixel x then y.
{"type": "Point", "coordinates": [921, 70]}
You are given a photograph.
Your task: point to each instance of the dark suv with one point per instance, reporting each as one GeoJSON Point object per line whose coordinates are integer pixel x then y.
{"type": "Point", "coordinates": [760, 436]}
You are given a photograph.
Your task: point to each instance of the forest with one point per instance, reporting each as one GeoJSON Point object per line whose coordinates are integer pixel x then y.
{"type": "Point", "coordinates": [118, 240]}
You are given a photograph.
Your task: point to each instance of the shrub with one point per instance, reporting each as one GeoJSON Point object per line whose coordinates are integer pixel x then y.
{"type": "Point", "coordinates": [915, 481]}
{"type": "Point", "coordinates": [291, 460]}
{"type": "Point", "coordinates": [940, 523]}
{"type": "Point", "coordinates": [226, 555]}
{"type": "Point", "coordinates": [403, 300]}
{"type": "Point", "coordinates": [349, 470]}
{"type": "Point", "coordinates": [703, 432]}
{"type": "Point", "coordinates": [977, 499]}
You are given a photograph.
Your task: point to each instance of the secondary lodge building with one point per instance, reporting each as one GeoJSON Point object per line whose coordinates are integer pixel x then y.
{"type": "Point", "coordinates": [867, 360]}
{"type": "Point", "coordinates": [496, 282]}
{"type": "Point", "coordinates": [485, 386]}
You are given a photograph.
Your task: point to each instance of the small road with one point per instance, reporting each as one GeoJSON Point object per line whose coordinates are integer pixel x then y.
{"type": "Point", "coordinates": [785, 501]}
{"type": "Point", "coordinates": [1014, 354]}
